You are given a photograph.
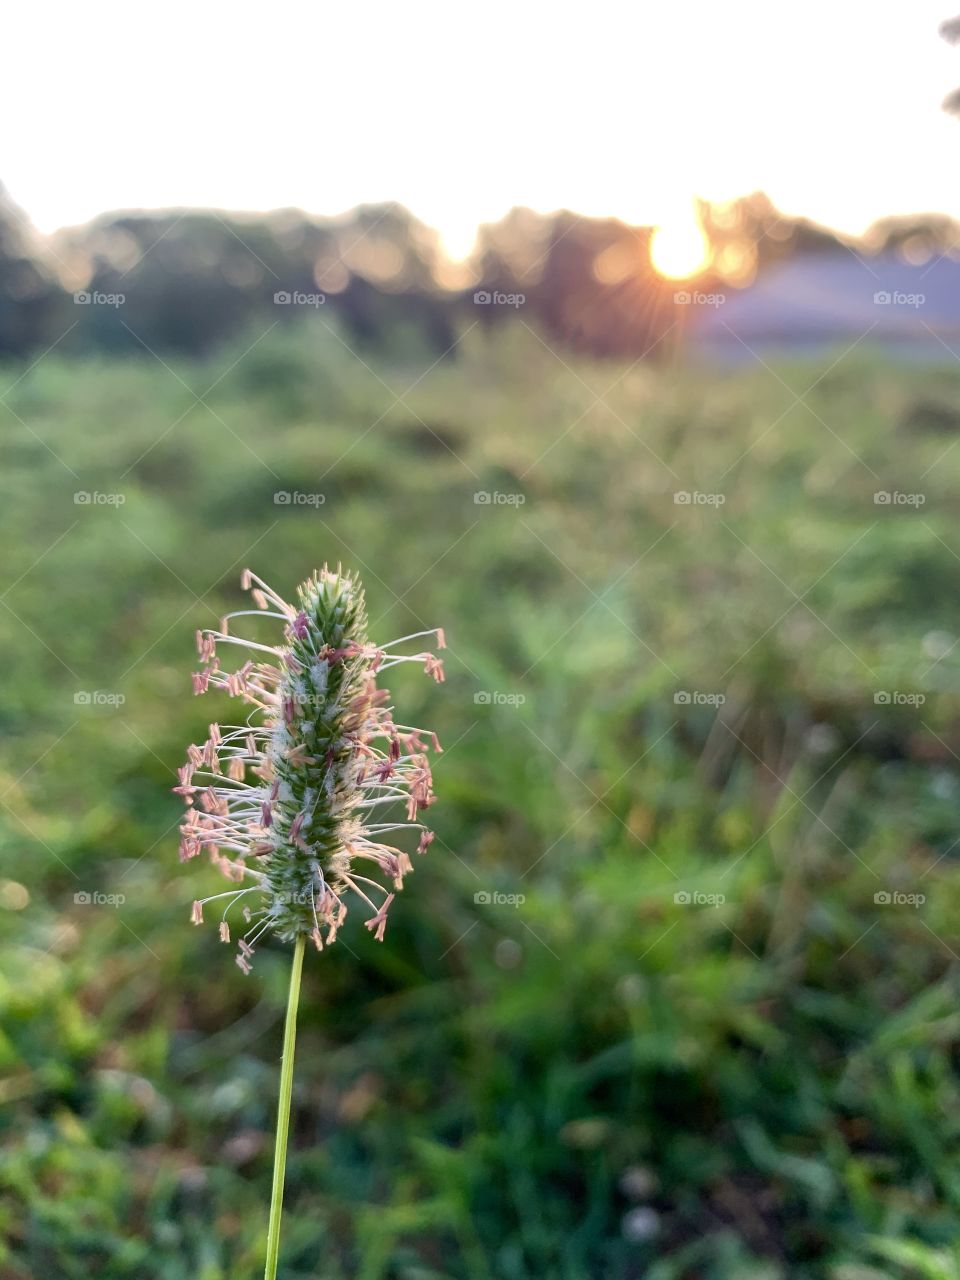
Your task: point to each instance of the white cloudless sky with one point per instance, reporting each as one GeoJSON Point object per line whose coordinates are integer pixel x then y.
{"type": "Point", "coordinates": [461, 110]}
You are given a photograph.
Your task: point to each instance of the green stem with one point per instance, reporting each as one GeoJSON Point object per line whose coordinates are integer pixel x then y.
{"type": "Point", "coordinates": [283, 1112]}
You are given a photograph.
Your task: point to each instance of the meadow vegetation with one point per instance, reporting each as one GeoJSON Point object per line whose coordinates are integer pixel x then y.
{"type": "Point", "coordinates": [697, 738]}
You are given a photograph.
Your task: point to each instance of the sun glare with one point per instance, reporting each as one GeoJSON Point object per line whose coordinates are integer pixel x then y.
{"type": "Point", "coordinates": [680, 249]}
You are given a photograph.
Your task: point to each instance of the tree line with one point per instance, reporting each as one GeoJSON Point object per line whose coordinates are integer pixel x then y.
{"type": "Point", "coordinates": [184, 282]}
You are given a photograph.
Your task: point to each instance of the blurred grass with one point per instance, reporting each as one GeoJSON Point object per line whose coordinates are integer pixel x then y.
{"type": "Point", "coordinates": [601, 1081]}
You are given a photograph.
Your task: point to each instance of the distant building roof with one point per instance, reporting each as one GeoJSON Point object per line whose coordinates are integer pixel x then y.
{"type": "Point", "coordinates": [825, 299]}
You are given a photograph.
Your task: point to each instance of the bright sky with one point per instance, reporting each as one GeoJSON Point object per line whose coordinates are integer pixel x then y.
{"type": "Point", "coordinates": [461, 110]}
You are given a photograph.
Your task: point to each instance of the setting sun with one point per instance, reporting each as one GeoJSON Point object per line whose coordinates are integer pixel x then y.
{"type": "Point", "coordinates": [680, 249]}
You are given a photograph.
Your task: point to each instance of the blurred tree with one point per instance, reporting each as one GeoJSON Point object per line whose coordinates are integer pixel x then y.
{"type": "Point", "coordinates": [750, 234]}
{"type": "Point", "coordinates": [599, 291]}
{"type": "Point", "coordinates": [28, 289]}
{"type": "Point", "coordinates": [950, 31]}
{"type": "Point", "coordinates": [915, 237]}
{"type": "Point", "coordinates": [192, 280]}
{"type": "Point", "coordinates": [188, 281]}
{"type": "Point", "coordinates": [588, 281]}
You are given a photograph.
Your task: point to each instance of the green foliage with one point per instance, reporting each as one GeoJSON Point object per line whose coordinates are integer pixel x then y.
{"type": "Point", "coordinates": [599, 1080]}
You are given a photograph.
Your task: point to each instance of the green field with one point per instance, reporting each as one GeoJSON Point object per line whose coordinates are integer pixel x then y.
{"type": "Point", "coordinates": [602, 1081]}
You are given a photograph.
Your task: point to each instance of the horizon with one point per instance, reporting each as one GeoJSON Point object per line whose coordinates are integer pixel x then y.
{"type": "Point", "coordinates": [662, 262]}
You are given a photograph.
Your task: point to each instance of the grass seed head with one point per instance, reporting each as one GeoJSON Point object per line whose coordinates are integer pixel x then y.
{"type": "Point", "coordinates": [300, 800]}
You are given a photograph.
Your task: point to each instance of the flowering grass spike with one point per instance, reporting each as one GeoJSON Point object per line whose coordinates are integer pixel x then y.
{"type": "Point", "coordinates": [301, 799]}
